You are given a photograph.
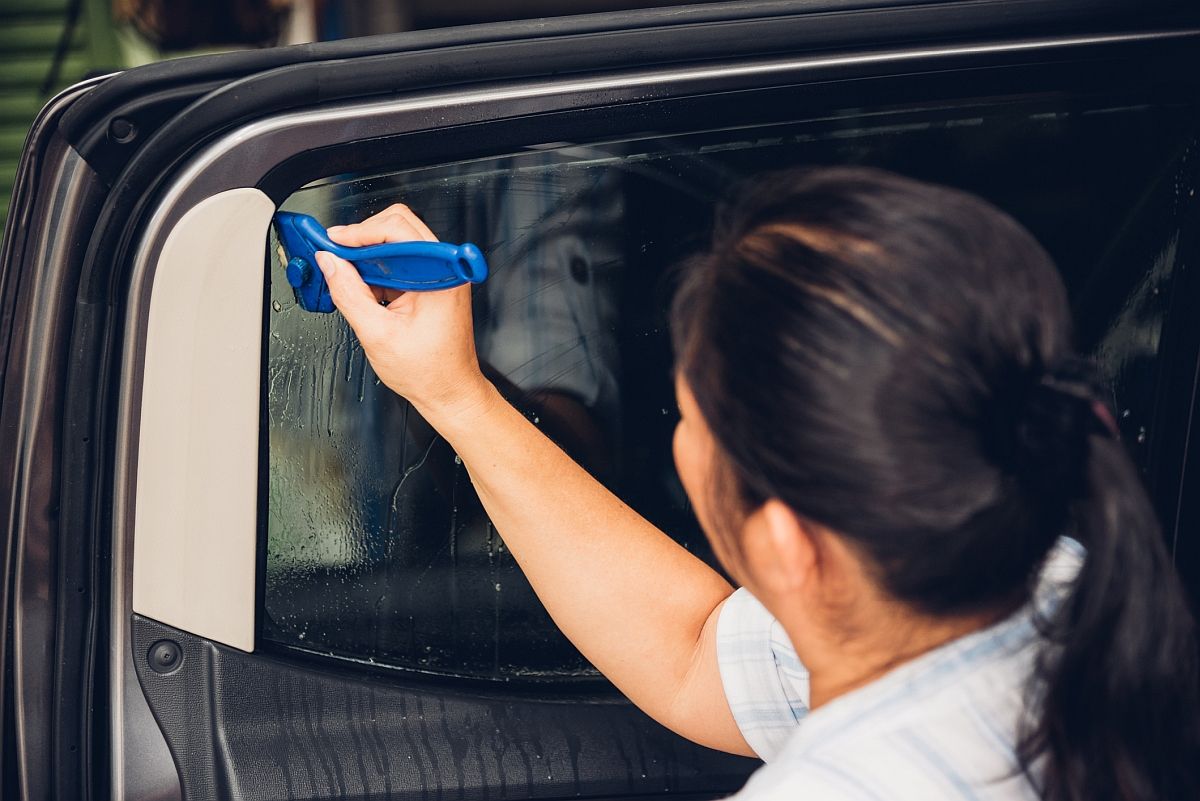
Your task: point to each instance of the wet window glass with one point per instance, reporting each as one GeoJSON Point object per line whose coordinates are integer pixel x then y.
{"type": "Point", "coordinates": [377, 548]}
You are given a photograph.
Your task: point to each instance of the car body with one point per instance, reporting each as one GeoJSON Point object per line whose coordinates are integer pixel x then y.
{"type": "Point", "coordinates": [178, 626]}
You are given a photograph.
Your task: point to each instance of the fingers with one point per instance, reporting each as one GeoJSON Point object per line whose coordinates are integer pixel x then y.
{"type": "Point", "coordinates": [350, 294]}
{"type": "Point", "coordinates": [396, 223]}
{"type": "Point", "coordinates": [384, 295]}
{"type": "Point", "coordinates": [416, 222]}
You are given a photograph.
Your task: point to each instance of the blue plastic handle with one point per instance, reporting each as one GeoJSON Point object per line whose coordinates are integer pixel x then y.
{"type": "Point", "coordinates": [406, 266]}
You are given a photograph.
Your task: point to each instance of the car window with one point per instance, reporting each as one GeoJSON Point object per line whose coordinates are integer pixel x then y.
{"type": "Point", "coordinates": [377, 548]}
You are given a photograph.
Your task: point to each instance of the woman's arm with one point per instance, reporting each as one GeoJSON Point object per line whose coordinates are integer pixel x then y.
{"type": "Point", "coordinates": [634, 602]}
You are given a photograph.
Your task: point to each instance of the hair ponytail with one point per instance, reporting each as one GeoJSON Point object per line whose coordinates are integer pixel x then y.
{"type": "Point", "coordinates": [1120, 693]}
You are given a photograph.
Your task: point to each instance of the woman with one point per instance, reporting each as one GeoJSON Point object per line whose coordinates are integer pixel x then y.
{"type": "Point", "coordinates": [952, 583]}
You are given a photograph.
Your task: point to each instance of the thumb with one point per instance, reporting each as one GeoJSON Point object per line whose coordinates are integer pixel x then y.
{"type": "Point", "coordinates": [349, 292]}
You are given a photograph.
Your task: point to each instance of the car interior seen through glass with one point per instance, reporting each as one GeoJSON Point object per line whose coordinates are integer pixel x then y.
{"type": "Point", "coordinates": [379, 551]}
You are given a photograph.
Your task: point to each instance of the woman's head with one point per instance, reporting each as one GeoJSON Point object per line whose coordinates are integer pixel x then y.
{"type": "Point", "coordinates": [865, 348]}
{"type": "Point", "coordinates": [890, 361]}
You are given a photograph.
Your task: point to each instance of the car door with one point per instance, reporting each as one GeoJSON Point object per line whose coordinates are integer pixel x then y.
{"type": "Point", "coordinates": [236, 567]}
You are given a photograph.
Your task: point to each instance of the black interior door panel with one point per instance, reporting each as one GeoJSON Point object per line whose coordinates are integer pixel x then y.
{"type": "Point", "coordinates": [260, 729]}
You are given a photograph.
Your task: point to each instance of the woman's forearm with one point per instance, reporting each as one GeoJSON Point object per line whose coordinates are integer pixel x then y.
{"type": "Point", "coordinates": [631, 599]}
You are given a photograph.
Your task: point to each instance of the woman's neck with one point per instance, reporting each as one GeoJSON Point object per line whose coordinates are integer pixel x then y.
{"type": "Point", "coordinates": [841, 661]}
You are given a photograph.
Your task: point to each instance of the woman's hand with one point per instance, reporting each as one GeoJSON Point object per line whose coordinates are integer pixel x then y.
{"type": "Point", "coordinates": [421, 344]}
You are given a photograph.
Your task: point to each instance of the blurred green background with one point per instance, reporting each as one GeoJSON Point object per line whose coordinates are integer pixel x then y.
{"type": "Point", "coordinates": [44, 46]}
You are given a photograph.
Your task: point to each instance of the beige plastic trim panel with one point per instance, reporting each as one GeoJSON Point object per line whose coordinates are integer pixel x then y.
{"type": "Point", "coordinates": [195, 515]}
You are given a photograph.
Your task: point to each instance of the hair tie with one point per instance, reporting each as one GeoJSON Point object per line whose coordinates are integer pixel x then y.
{"type": "Point", "coordinates": [1057, 415]}
{"type": "Point", "coordinates": [1078, 379]}
{"type": "Point", "coordinates": [1107, 420]}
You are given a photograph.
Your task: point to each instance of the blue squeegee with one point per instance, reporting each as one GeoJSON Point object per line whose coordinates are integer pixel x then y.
{"type": "Point", "coordinates": [405, 266]}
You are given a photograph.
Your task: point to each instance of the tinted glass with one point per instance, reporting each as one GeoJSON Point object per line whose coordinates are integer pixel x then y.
{"type": "Point", "coordinates": [378, 549]}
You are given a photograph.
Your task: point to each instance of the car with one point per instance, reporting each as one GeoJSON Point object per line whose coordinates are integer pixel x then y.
{"type": "Point", "coordinates": [237, 567]}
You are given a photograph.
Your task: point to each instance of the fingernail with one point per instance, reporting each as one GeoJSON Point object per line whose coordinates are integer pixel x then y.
{"type": "Point", "coordinates": [326, 262]}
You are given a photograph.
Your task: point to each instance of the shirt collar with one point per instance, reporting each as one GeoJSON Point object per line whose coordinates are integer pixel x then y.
{"type": "Point", "coordinates": [916, 681]}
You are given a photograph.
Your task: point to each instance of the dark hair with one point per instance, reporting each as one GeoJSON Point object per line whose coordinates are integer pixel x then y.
{"type": "Point", "coordinates": [893, 360]}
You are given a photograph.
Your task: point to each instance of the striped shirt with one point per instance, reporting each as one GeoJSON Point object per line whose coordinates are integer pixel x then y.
{"type": "Point", "coordinates": [942, 726]}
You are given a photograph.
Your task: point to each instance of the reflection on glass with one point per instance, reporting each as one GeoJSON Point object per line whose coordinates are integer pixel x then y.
{"type": "Point", "coordinates": [378, 548]}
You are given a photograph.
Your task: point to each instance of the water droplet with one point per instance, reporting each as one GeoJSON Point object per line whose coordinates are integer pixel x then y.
{"type": "Point", "coordinates": [1125, 414]}
{"type": "Point", "coordinates": [1141, 435]}
{"type": "Point", "coordinates": [497, 586]}
{"type": "Point", "coordinates": [276, 305]}
{"type": "Point", "coordinates": [664, 411]}
{"type": "Point", "coordinates": [457, 459]}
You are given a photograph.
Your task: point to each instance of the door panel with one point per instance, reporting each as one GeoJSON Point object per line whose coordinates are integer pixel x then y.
{"type": "Point", "coordinates": [280, 729]}
{"type": "Point", "coordinates": [193, 559]}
